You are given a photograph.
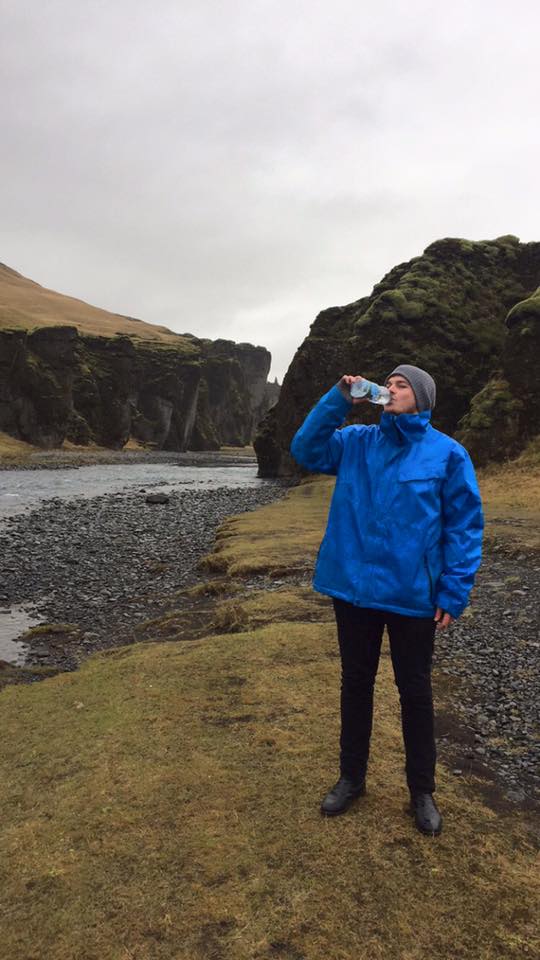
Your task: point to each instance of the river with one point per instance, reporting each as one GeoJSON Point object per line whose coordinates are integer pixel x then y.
{"type": "Point", "coordinates": [21, 490]}
{"type": "Point", "coordinates": [99, 507]}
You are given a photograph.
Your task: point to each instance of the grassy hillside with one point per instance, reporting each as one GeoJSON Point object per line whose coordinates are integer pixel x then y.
{"type": "Point", "coordinates": [163, 801]}
{"type": "Point", "coordinates": [25, 304]}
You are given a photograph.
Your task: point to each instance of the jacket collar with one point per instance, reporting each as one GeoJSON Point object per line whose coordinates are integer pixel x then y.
{"type": "Point", "coordinates": [405, 427]}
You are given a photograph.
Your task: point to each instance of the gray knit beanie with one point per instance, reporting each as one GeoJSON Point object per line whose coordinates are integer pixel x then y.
{"type": "Point", "coordinates": [422, 384]}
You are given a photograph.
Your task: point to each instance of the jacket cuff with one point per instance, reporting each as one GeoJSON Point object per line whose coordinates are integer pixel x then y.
{"type": "Point", "coordinates": [448, 603]}
{"type": "Point", "coordinates": [335, 399]}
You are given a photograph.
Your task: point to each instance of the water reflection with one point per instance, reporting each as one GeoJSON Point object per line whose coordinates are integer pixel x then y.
{"type": "Point", "coordinates": [15, 621]}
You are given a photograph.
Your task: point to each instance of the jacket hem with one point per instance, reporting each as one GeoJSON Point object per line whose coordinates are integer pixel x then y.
{"type": "Point", "coordinates": [371, 605]}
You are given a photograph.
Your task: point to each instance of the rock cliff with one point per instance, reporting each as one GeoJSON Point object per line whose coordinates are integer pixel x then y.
{"type": "Point", "coordinates": [505, 414]}
{"type": "Point", "coordinates": [466, 311]}
{"type": "Point", "coordinates": [175, 392]}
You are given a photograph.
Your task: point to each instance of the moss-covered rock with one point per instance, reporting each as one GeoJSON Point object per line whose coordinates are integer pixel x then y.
{"type": "Point", "coordinates": [444, 311]}
{"type": "Point", "coordinates": [490, 430]}
{"type": "Point", "coordinates": [57, 384]}
{"type": "Point", "coordinates": [521, 361]}
{"type": "Point", "coordinates": [505, 415]}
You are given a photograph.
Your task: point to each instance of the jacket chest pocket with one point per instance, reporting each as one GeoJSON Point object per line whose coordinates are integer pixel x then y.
{"type": "Point", "coordinates": [420, 489]}
{"type": "Point", "coordinates": [426, 476]}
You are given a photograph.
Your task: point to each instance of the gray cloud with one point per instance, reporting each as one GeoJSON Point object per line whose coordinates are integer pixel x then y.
{"type": "Point", "coordinates": [232, 168]}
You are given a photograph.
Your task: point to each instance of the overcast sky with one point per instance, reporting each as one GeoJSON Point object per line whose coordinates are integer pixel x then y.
{"type": "Point", "coordinates": [232, 168]}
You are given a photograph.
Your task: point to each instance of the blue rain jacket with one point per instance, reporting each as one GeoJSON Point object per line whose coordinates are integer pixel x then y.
{"type": "Point", "coordinates": [405, 524]}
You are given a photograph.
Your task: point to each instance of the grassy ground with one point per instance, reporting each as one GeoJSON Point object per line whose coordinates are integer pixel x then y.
{"type": "Point", "coordinates": [511, 495]}
{"type": "Point", "coordinates": [14, 450]}
{"type": "Point", "coordinates": [162, 803]}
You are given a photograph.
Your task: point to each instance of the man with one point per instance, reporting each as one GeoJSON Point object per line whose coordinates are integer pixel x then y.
{"type": "Point", "coordinates": [401, 548]}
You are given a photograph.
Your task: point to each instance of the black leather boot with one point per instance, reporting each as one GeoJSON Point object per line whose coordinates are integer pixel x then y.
{"type": "Point", "coordinates": [426, 815]}
{"type": "Point", "coordinates": [340, 797]}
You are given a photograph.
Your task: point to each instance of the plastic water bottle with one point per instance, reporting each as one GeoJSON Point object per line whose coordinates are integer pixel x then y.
{"type": "Point", "coordinates": [371, 391]}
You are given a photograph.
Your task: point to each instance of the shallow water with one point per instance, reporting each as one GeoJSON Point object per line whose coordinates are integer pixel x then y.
{"type": "Point", "coordinates": [15, 621]}
{"type": "Point", "coordinates": [26, 489]}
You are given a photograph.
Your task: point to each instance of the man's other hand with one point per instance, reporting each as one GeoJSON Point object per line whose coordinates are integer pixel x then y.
{"type": "Point", "coordinates": [443, 619]}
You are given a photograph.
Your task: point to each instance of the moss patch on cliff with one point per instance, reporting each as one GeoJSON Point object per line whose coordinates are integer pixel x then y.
{"type": "Point", "coordinates": [490, 430]}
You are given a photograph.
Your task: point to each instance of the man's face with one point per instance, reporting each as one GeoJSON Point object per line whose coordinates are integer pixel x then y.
{"type": "Point", "coordinates": [402, 398]}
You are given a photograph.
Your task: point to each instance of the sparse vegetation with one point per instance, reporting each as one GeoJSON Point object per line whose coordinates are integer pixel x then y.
{"type": "Point", "coordinates": [46, 629]}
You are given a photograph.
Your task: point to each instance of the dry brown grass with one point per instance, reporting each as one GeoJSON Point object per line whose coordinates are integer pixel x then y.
{"type": "Point", "coordinates": [247, 451]}
{"type": "Point", "coordinates": [18, 452]}
{"type": "Point", "coordinates": [270, 606]}
{"type": "Point", "coordinates": [163, 802]}
{"type": "Point", "coordinates": [14, 450]}
{"type": "Point", "coordinates": [281, 538]}
{"type": "Point", "coordinates": [511, 495]}
{"type": "Point", "coordinates": [26, 304]}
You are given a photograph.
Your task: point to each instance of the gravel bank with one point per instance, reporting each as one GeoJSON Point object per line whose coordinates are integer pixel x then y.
{"type": "Point", "coordinates": [107, 564]}
{"type": "Point", "coordinates": [490, 660]}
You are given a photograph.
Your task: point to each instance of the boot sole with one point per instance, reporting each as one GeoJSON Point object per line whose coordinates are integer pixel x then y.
{"type": "Point", "coordinates": [336, 813]}
{"type": "Point", "coordinates": [428, 833]}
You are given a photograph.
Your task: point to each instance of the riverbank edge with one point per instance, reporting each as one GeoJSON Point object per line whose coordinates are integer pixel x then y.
{"type": "Point", "coordinates": [74, 457]}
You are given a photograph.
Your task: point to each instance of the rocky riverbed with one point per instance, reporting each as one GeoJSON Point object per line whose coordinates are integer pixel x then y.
{"type": "Point", "coordinates": [92, 570]}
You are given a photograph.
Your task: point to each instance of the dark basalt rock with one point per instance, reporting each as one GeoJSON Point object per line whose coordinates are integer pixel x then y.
{"type": "Point", "coordinates": [58, 384]}
{"type": "Point", "coordinates": [505, 414]}
{"type": "Point", "coordinates": [466, 311]}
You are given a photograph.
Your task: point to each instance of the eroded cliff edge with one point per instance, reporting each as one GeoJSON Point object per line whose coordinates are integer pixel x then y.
{"type": "Point", "coordinates": [57, 384]}
{"type": "Point", "coordinates": [469, 312]}
{"type": "Point", "coordinates": [60, 380]}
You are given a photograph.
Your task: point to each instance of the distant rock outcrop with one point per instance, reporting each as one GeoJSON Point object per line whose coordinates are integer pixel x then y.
{"type": "Point", "coordinates": [467, 312]}
{"type": "Point", "coordinates": [171, 392]}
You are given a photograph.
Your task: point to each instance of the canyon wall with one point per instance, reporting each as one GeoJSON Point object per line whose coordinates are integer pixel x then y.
{"type": "Point", "coordinates": [59, 384]}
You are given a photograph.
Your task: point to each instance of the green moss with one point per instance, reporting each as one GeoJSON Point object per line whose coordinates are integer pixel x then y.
{"type": "Point", "coordinates": [183, 349]}
{"type": "Point", "coordinates": [528, 309]}
{"type": "Point", "coordinates": [490, 430]}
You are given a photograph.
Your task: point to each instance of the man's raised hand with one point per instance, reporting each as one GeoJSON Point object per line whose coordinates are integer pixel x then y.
{"type": "Point", "coordinates": [345, 386]}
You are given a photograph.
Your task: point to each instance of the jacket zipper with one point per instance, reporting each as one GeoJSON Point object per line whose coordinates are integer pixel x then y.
{"type": "Point", "coordinates": [430, 579]}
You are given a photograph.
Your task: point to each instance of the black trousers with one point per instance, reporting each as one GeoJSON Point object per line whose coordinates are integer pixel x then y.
{"type": "Point", "coordinates": [360, 632]}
